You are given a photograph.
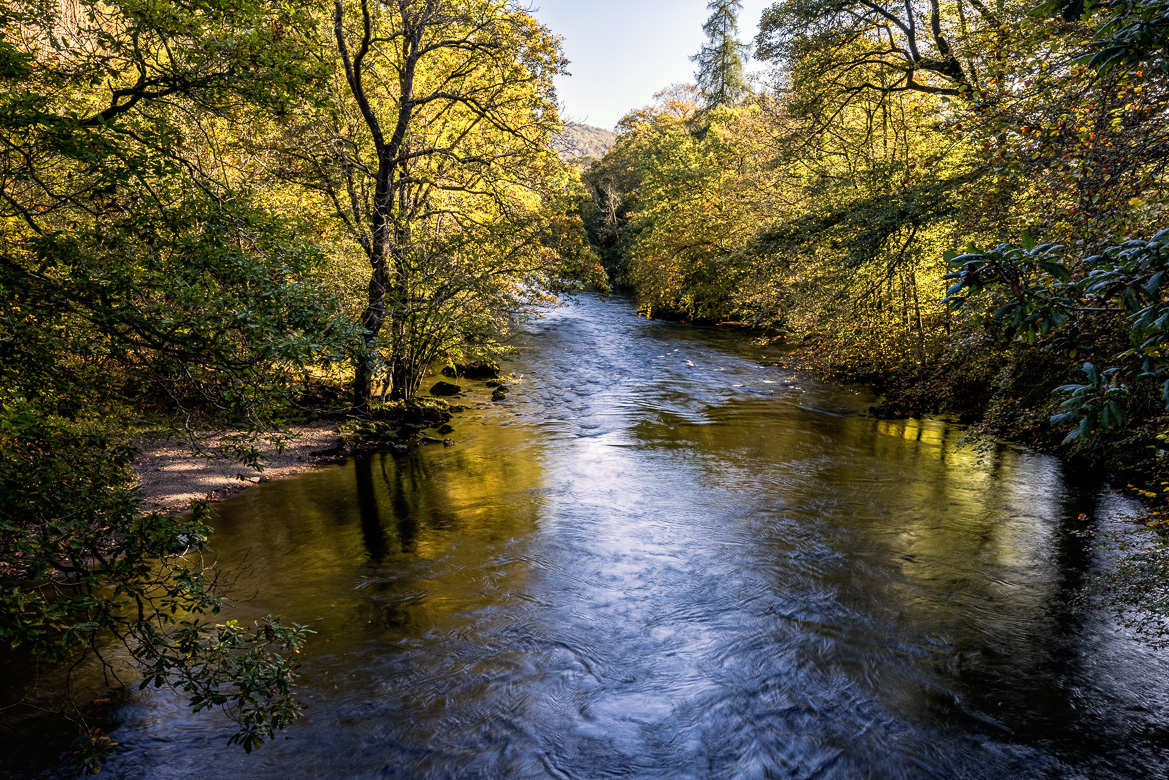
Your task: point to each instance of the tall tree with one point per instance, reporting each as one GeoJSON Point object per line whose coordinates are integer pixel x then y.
{"type": "Point", "coordinates": [720, 61]}
{"type": "Point", "coordinates": [433, 152]}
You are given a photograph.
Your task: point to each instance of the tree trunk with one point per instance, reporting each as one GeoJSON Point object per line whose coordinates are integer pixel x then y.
{"type": "Point", "coordinates": [374, 316]}
{"type": "Point", "coordinates": [917, 317]}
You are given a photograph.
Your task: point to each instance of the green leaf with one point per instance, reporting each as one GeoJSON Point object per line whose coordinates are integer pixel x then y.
{"type": "Point", "coordinates": [1154, 284]}
{"type": "Point", "coordinates": [1057, 270]}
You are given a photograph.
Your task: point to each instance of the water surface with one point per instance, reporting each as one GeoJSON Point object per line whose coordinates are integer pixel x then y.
{"type": "Point", "coordinates": [662, 558]}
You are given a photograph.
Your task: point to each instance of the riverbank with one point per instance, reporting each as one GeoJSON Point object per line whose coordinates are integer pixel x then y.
{"type": "Point", "coordinates": [173, 471]}
{"type": "Point", "coordinates": [172, 474]}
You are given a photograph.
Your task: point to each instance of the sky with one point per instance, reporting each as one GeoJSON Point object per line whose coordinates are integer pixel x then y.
{"type": "Point", "coordinates": [623, 51]}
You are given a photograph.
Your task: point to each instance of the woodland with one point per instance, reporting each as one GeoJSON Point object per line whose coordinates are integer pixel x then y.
{"type": "Point", "coordinates": [959, 203]}
{"type": "Point", "coordinates": [245, 212]}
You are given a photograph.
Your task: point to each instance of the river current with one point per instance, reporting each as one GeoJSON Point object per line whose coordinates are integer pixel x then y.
{"type": "Point", "coordinates": [662, 557]}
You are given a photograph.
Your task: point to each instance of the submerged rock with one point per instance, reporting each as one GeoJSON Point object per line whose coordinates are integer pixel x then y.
{"type": "Point", "coordinates": [445, 388]}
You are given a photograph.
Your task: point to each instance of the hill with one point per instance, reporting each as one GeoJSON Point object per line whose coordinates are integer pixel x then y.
{"type": "Point", "coordinates": [583, 141]}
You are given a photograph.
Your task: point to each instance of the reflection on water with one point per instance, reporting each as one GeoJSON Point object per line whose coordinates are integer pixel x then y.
{"type": "Point", "coordinates": [662, 558]}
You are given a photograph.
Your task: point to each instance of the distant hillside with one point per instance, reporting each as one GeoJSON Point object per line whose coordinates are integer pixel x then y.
{"type": "Point", "coordinates": [583, 141]}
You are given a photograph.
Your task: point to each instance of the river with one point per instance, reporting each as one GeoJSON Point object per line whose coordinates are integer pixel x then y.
{"type": "Point", "coordinates": [663, 558]}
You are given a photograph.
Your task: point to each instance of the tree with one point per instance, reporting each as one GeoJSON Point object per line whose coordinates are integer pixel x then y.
{"type": "Point", "coordinates": [433, 151]}
{"type": "Point", "coordinates": [698, 197]}
{"type": "Point", "coordinates": [133, 269]}
{"type": "Point", "coordinates": [836, 50]}
{"type": "Point", "coordinates": [720, 73]}
{"type": "Point", "coordinates": [613, 183]}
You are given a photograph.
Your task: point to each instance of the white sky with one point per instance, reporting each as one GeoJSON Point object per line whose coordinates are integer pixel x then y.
{"type": "Point", "coordinates": [623, 51]}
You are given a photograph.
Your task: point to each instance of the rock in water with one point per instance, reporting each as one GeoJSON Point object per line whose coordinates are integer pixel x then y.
{"type": "Point", "coordinates": [480, 371]}
{"type": "Point", "coordinates": [486, 370]}
{"type": "Point", "coordinates": [445, 388]}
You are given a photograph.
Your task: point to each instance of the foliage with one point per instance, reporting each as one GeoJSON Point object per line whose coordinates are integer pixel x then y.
{"type": "Point", "coordinates": [138, 269]}
{"type": "Point", "coordinates": [688, 220]}
{"type": "Point", "coordinates": [1133, 32]}
{"type": "Point", "coordinates": [123, 253]}
{"type": "Point", "coordinates": [447, 182]}
{"type": "Point", "coordinates": [734, 215]}
{"type": "Point", "coordinates": [1124, 283]}
{"type": "Point", "coordinates": [840, 50]}
{"type": "Point", "coordinates": [82, 565]}
{"type": "Point", "coordinates": [611, 185]}
{"type": "Point", "coordinates": [184, 190]}
{"type": "Point", "coordinates": [894, 135]}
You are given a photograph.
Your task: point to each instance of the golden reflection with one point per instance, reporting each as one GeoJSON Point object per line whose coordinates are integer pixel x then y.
{"type": "Point", "coordinates": [950, 532]}
{"type": "Point", "coordinates": [342, 544]}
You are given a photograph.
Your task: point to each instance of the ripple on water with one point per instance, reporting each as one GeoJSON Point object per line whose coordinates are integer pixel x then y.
{"type": "Point", "coordinates": [663, 559]}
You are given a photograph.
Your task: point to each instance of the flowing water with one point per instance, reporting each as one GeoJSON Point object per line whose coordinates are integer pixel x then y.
{"type": "Point", "coordinates": [663, 558]}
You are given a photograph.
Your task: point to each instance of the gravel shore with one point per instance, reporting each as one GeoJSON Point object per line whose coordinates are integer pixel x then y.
{"type": "Point", "coordinates": [171, 475]}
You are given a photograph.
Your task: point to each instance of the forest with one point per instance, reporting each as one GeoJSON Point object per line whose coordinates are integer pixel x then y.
{"type": "Point", "coordinates": [959, 203]}
{"type": "Point", "coordinates": [219, 212]}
